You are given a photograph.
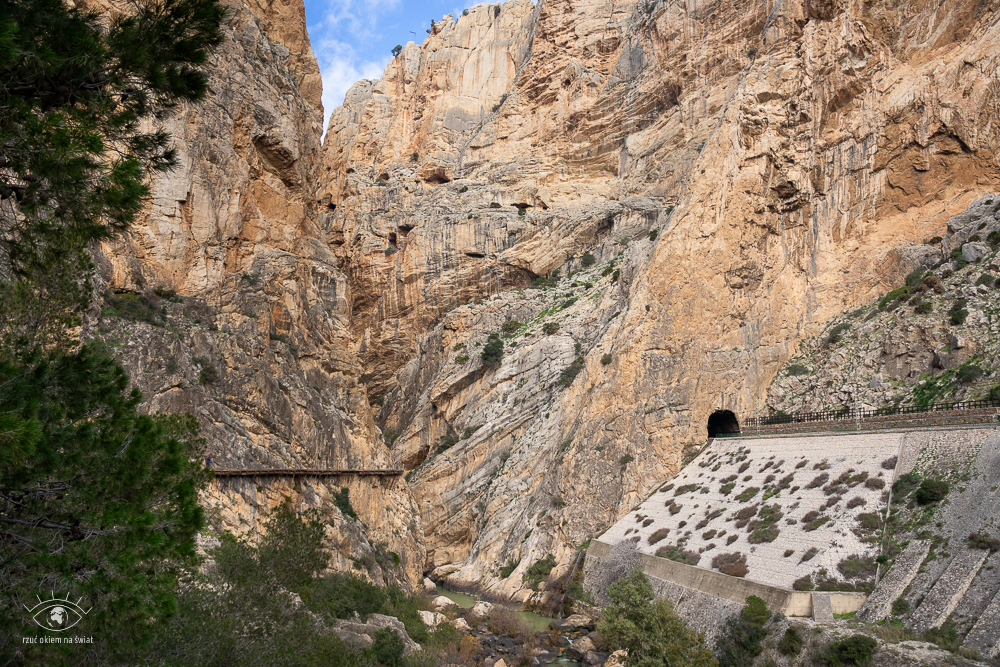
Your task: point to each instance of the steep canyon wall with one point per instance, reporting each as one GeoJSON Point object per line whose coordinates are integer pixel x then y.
{"type": "Point", "coordinates": [721, 178]}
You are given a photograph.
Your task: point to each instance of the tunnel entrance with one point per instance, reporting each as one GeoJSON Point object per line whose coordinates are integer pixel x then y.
{"type": "Point", "coordinates": [721, 423]}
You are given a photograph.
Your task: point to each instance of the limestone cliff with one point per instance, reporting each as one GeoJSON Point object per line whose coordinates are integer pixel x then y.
{"type": "Point", "coordinates": [226, 302]}
{"type": "Point", "coordinates": [713, 182]}
{"type": "Point", "coordinates": [737, 172]}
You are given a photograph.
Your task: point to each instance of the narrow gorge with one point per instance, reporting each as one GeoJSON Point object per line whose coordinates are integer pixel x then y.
{"type": "Point", "coordinates": [650, 205]}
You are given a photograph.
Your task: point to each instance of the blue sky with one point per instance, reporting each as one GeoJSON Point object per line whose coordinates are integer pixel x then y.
{"type": "Point", "coordinates": [353, 38]}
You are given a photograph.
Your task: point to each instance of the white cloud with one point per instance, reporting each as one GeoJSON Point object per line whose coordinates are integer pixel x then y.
{"type": "Point", "coordinates": [341, 67]}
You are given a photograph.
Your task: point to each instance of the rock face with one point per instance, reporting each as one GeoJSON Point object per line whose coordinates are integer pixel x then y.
{"type": "Point", "coordinates": [737, 174]}
{"type": "Point", "coordinates": [256, 342]}
{"type": "Point", "coordinates": [720, 178]}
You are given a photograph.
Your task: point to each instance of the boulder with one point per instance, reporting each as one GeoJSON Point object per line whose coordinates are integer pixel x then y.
{"type": "Point", "coordinates": [500, 663]}
{"type": "Point", "coordinates": [616, 659]}
{"type": "Point", "coordinates": [441, 602]}
{"type": "Point", "coordinates": [578, 621]}
{"type": "Point", "coordinates": [431, 618]}
{"type": "Point", "coordinates": [429, 586]}
{"type": "Point", "coordinates": [594, 658]}
{"type": "Point", "coordinates": [347, 629]}
{"type": "Point", "coordinates": [482, 609]}
{"type": "Point", "coordinates": [461, 624]}
{"type": "Point", "coordinates": [974, 251]}
{"type": "Point", "coordinates": [579, 648]}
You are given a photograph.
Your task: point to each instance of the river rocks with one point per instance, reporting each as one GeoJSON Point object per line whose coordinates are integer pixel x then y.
{"type": "Point", "coordinates": [482, 609]}
{"type": "Point", "coordinates": [461, 624]}
{"type": "Point", "coordinates": [355, 633]}
{"type": "Point", "coordinates": [441, 602]}
{"type": "Point", "coordinates": [580, 647]}
{"type": "Point", "coordinates": [579, 621]}
{"type": "Point", "coordinates": [617, 658]}
{"type": "Point", "coordinates": [431, 618]}
{"type": "Point", "coordinates": [429, 586]}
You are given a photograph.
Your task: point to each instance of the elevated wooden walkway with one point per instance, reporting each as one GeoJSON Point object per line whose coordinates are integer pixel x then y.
{"type": "Point", "coordinates": [300, 472]}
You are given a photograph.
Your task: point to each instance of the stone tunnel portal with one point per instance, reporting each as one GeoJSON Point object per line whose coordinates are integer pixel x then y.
{"type": "Point", "coordinates": [722, 422]}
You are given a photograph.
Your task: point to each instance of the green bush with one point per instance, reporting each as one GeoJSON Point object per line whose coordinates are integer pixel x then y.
{"type": "Point", "coordinates": [742, 637]}
{"type": "Point", "coordinates": [494, 204]}
{"type": "Point", "coordinates": [855, 650]}
{"type": "Point", "coordinates": [653, 233]}
{"type": "Point", "coordinates": [968, 373]}
{"type": "Point", "coordinates": [492, 353]}
{"type": "Point", "coordinates": [898, 293]}
{"type": "Point", "coordinates": [798, 369]}
{"type": "Point", "coordinates": [791, 643]}
{"type": "Point", "coordinates": [540, 569]}
{"type": "Point", "coordinates": [993, 238]}
{"type": "Point", "coordinates": [986, 279]}
{"type": "Point", "coordinates": [552, 327]}
{"type": "Point", "coordinates": [588, 260]}
{"type": "Point", "coordinates": [569, 373]}
{"type": "Point", "coordinates": [923, 307]}
{"type": "Point", "coordinates": [994, 394]}
{"type": "Point", "coordinates": [510, 326]}
{"type": "Point", "coordinates": [648, 628]}
{"type": "Point", "coordinates": [900, 606]}
{"type": "Point", "coordinates": [615, 275]}
{"type": "Point", "coordinates": [342, 500]}
{"type": "Point", "coordinates": [508, 569]}
{"type": "Point", "coordinates": [208, 375]}
{"type": "Point", "coordinates": [914, 277]}
{"type": "Point", "coordinates": [983, 541]}
{"type": "Point", "coordinates": [463, 189]}
{"type": "Point", "coordinates": [946, 637]}
{"type": "Point", "coordinates": [803, 583]}
{"type": "Point", "coordinates": [837, 333]}
{"type": "Point", "coordinates": [931, 491]}
{"type": "Point", "coordinates": [606, 359]}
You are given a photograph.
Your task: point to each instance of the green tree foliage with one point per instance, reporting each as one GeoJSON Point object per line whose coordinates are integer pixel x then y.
{"type": "Point", "coordinates": [741, 640]}
{"type": "Point", "coordinates": [855, 650]}
{"type": "Point", "coordinates": [96, 501]}
{"type": "Point", "coordinates": [492, 352]}
{"type": "Point", "coordinates": [76, 90]}
{"type": "Point", "coordinates": [650, 630]}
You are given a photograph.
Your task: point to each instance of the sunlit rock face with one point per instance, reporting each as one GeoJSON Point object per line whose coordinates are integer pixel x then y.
{"type": "Point", "coordinates": [260, 299]}
{"type": "Point", "coordinates": [789, 158]}
{"type": "Point", "coordinates": [723, 177]}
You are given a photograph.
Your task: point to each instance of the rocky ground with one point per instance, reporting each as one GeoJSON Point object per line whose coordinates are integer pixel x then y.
{"type": "Point", "coordinates": [915, 345]}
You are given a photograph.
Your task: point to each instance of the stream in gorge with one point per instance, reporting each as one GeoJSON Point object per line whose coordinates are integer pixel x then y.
{"type": "Point", "coordinates": [536, 622]}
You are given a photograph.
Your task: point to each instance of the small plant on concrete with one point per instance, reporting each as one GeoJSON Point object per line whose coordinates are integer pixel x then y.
{"type": "Point", "coordinates": [658, 535]}
{"type": "Point", "coordinates": [808, 555]}
{"type": "Point", "coordinates": [875, 483]}
{"type": "Point", "coordinates": [676, 553]}
{"type": "Point", "coordinates": [747, 494]}
{"type": "Point", "coordinates": [857, 501]}
{"type": "Point", "coordinates": [818, 481]}
{"type": "Point", "coordinates": [734, 564]}
{"type": "Point", "coordinates": [983, 541]}
{"type": "Point", "coordinates": [803, 583]}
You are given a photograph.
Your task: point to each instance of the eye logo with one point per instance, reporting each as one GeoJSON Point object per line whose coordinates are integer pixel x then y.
{"type": "Point", "coordinates": [57, 614]}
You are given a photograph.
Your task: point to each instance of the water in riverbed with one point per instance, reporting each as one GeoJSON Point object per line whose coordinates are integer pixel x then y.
{"type": "Point", "coordinates": [536, 622]}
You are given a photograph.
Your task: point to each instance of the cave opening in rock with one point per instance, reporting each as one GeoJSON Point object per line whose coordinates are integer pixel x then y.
{"type": "Point", "coordinates": [722, 422]}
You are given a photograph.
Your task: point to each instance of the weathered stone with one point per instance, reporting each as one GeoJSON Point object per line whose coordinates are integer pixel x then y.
{"type": "Point", "coordinates": [975, 251]}
{"type": "Point", "coordinates": [429, 586]}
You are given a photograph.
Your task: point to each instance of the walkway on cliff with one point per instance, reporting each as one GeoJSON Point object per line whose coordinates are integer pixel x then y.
{"type": "Point", "coordinates": [302, 472]}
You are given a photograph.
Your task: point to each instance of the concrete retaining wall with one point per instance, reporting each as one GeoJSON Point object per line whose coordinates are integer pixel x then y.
{"type": "Point", "coordinates": [734, 589]}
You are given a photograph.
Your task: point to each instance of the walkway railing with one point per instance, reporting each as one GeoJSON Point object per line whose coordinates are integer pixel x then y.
{"type": "Point", "coordinates": [910, 416]}
{"type": "Point", "coordinates": [856, 414]}
{"type": "Point", "coordinates": [303, 472]}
